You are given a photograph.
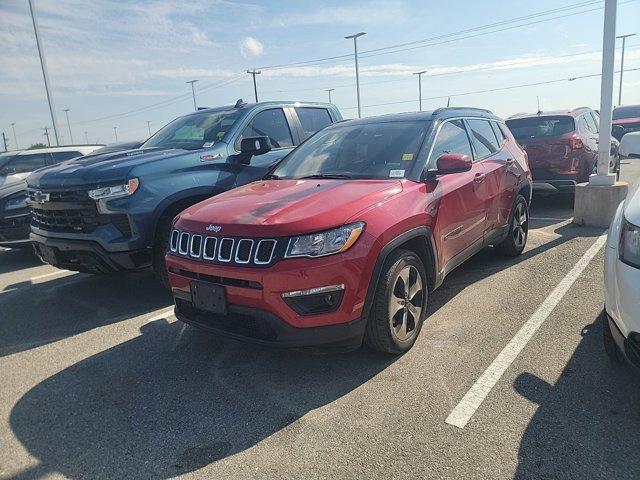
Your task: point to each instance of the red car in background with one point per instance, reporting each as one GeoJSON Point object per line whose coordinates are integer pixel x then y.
{"type": "Point", "coordinates": [343, 241]}
{"type": "Point", "coordinates": [562, 146]}
{"type": "Point", "coordinates": [625, 119]}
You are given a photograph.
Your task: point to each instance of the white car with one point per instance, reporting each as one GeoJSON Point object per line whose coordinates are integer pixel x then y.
{"type": "Point", "coordinates": [622, 273]}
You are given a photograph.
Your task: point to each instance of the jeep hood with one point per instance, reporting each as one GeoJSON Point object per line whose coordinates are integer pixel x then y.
{"type": "Point", "coordinates": [96, 170]}
{"type": "Point", "coordinates": [286, 207]}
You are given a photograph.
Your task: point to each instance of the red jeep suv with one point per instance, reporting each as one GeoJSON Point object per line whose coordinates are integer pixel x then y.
{"type": "Point", "coordinates": [343, 241]}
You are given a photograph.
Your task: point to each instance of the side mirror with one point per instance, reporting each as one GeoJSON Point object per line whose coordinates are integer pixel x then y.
{"type": "Point", "coordinates": [630, 145]}
{"type": "Point", "coordinates": [453, 163]}
{"type": "Point", "coordinates": [255, 145]}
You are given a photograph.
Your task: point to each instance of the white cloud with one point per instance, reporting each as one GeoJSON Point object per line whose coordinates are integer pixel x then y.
{"type": "Point", "coordinates": [251, 47]}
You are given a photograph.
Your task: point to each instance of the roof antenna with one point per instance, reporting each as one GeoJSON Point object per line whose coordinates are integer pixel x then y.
{"type": "Point", "coordinates": [538, 100]}
{"type": "Point", "coordinates": [448, 101]}
{"type": "Point", "coordinates": [240, 103]}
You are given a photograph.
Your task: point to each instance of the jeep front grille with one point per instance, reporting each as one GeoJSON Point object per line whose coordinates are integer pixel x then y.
{"type": "Point", "coordinates": [259, 252]}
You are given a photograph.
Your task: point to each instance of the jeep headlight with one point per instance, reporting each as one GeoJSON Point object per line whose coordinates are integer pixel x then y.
{"type": "Point", "coordinates": [115, 191]}
{"type": "Point", "coordinates": [629, 249]}
{"type": "Point", "coordinates": [16, 203]}
{"type": "Point", "coordinates": [328, 242]}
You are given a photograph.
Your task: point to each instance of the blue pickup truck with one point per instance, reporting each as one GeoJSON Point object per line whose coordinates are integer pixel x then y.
{"type": "Point", "coordinates": [112, 212]}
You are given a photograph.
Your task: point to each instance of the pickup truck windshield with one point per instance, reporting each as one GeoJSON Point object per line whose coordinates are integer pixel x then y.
{"type": "Point", "coordinates": [376, 150]}
{"type": "Point", "coordinates": [194, 131]}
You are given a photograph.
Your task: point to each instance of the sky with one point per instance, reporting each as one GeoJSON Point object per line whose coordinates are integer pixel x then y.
{"type": "Point", "coordinates": [125, 63]}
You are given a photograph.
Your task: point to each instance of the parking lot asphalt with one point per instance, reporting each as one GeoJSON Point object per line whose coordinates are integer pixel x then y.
{"type": "Point", "coordinates": [100, 381]}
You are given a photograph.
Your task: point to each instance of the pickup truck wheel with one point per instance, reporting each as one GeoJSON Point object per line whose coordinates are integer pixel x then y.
{"type": "Point", "coordinates": [400, 303]}
{"type": "Point", "coordinates": [514, 244]}
{"type": "Point", "coordinates": [159, 249]}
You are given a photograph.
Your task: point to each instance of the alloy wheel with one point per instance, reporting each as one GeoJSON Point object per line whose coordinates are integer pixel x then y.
{"type": "Point", "coordinates": [406, 301]}
{"type": "Point", "coordinates": [520, 225]}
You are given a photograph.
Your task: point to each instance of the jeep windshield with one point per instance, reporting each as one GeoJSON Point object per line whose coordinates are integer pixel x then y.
{"type": "Point", "coordinates": [195, 131]}
{"type": "Point", "coordinates": [380, 150]}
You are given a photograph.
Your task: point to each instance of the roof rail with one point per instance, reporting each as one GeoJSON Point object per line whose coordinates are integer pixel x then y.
{"type": "Point", "coordinates": [516, 115]}
{"type": "Point", "coordinates": [443, 109]}
{"type": "Point", "coordinates": [578, 108]}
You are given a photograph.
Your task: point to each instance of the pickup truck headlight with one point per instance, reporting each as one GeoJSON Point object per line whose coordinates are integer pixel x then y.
{"type": "Point", "coordinates": [329, 242]}
{"type": "Point", "coordinates": [115, 191]}
{"type": "Point", "coordinates": [16, 203]}
{"type": "Point", "coordinates": [629, 249]}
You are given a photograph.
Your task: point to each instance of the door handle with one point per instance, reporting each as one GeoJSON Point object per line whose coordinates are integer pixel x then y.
{"type": "Point", "coordinates": [479, 178]}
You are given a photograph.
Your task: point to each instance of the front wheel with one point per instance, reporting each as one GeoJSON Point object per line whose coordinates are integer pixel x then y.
{"type": "Point", "coordinates": [516, 240]}
{"type": "Point", "coordinates": [400, 303]}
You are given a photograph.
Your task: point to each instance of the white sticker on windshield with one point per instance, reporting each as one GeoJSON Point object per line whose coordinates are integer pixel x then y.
{"type": "Point", "coordinates": [208, 144]}
{"type": "Point", "coordinates": [396, 174]}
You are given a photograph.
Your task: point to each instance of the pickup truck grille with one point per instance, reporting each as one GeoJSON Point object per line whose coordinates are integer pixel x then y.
{"type": "Point", "coordinates": [253, 252]}
{"type": "Point", "coordinates": [72, 212]}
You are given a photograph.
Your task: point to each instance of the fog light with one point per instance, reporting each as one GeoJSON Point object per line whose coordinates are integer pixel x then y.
{"type": "Point", "coordinates": [315, 300]}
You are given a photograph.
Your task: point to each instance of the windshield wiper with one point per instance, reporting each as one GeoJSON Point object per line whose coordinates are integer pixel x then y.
{"type": "Point", "coordinates": [271, 176]}
{"type": "Point", "coordinates": [327, 175]}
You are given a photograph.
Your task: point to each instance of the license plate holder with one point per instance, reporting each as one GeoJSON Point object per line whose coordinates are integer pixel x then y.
{"type": "Point", "coordinates": [209, 297]}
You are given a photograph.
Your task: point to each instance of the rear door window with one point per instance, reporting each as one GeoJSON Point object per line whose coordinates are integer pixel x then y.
{"type": "Point", "coordinates": [591, 124]}
{"type": "Point", "coordinates": [452, 138]}
{"type": "Point", "coordinates": [596, 119]}
{"type": "Point", "coordinates": [28, 163]}
{"type": "Point", "coordinates": [312, 120]}
{"type": "Point", "coordinates": [499, 133]}
{"type": "Point", "coordinates": [269, 123]}
{"type": "Point", "coordinates": [483, 137]}
{"type": "Point", "coordinates": [62, 156]}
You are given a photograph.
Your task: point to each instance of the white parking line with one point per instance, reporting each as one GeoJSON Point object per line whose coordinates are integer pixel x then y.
{"type": "Point", "coordinates": [463, 412]}
{"type": "Point", "coordinates": [550, 219]}
{"type": "Point", "coordinates": [52, 274]}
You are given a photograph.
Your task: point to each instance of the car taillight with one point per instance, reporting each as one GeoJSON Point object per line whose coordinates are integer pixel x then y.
{"type": "Point", "coordinates": [575, 142]}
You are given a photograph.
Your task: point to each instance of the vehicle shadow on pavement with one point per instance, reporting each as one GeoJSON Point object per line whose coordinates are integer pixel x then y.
{"type": "Point", "coordinates": [588, 423]}
{"type": "Point", "coordinates": [15, 259]}
{"type": "Point", "coordinates": [37, 314]}
{"type": "Point", "coordinates": [174, 400]}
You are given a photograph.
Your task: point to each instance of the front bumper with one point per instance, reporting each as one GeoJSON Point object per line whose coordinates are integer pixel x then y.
{"type": "Point", "coordinates": [88, 256]}
{"type": "Point", "coordinates": [629, 346]}
{"type": "Point", "coordinates": [14, 230]}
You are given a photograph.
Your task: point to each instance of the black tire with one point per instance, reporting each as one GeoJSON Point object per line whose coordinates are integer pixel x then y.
{"type": "Point", "coordinates": [159, 249]}
{"type": "Point", "coordinates": [610, 347]}
{"type": "Point", "coordinates": [381, 333]}
{"type": "Point", "coordinates": [516, 239]}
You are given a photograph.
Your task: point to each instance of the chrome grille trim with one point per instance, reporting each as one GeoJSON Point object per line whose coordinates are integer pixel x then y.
{"type": "Point", "coordinates": [204, 248]}
{"type": "Point", "coordinates": [238, 260]}
{"type": "Point", "coordinates": [191, 252]}
{"type": "Point", "coordinates": [273, 249]}
{"type": "Point", "coordinates": [173, 243]}
{"type": "Point", "coordinates": [180, 251]}
{"type": "Point", "coordinates": [220, 257]}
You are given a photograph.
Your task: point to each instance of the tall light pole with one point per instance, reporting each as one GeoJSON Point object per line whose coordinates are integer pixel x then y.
{"type": "Point", "coordinates": [46, 134]}
{"type": "Point", "coordinates": [15, 139]}
{"type": "Point", "coordinates": [193, 92]}
{"type": "Point", "coordinates": [355, 52]}
{"type": "Point", "coordinates": [66, 111]}
{"type": "Point", "coordinates": [43, 64]}
{"type": "Point", "coordinates": [420, 86]}
{"type": "Point", "coordinates": [86, 137]}
{"type": "Point", "coordinates": [253, 73]}
{"type": "Point", "coordinates": [329, 90]}
{"type": "Point", "coordinates": [624, 38]}
{"type": "Point", "coordinates": [115, 132]}
{"type": "Point", "coordinates": [149, 126]}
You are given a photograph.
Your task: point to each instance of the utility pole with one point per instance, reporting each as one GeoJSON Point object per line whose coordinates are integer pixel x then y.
{"type": "Point", "coordinates": [66, 111]}
{"type": "Point", "coordinates": [4, 140]}
{"type": "Point", "coordinates": [86, 137]}
{"type": "Point", "coordinates": [15, 139]}
{"type": "Point", "coordinates": [420, 87]}
{"type": "Point", "coordinates": [329, 90]}
{"type": "Point", "coordinates": [253, 73]}
{"type": "Point", "coordinates": [43, 64]}
{"type": "Point", "coordinates": [538, 101]}
{"type": "Point", "coordinates": [115, 132]}
{"type": "Point", "coordinates": [46, 134]}
{"type": "Point", "coordinates": [355, 54]}
{"type": "Point", "coordinates": [624, 38]}
{"type": "Point", "coordinates": [149, 126]}
{"type": "Point", "coordinates": [193, 92]}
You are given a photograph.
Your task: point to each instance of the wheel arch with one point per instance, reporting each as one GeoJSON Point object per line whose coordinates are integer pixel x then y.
{"type": "Point", "coordinates": [418, 240]}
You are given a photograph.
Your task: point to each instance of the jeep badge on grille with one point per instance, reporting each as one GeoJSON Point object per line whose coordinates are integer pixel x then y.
{"type": "Point", "coordinates": [213, 228]}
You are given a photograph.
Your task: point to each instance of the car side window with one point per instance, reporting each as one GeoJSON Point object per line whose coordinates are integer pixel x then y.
{"type": "Point", "coordinates": [271, 123]}
{"type": "Point", "coordinates": [596, 119]}
{"type": "Point", "coordinates": [28, 163]}
{"type": "Point", "coordinates": [499, 134]}
{"type": "Point", "coordinates": [591, 124]}
{"type": "Point", "coordinates": [312, 120]}
{"type": "Point", "coordinates": [583, 126]}
{"type": "Point", "coordinates": [483, 138]}
{"type": "Point", "coordinates": [62, 156]}
{"type": "Point", "coordinates": [452, 138]}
